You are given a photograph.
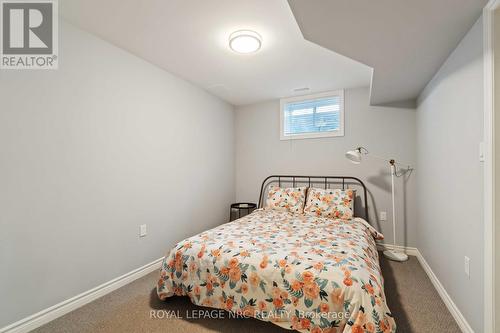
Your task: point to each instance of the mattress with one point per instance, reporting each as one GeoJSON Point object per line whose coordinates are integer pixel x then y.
{"type": "Point", "coordinates": [305, 273]}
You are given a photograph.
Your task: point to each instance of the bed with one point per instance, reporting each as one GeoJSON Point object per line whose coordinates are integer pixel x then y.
{"type": "Point", "coordinates": [301, 272]}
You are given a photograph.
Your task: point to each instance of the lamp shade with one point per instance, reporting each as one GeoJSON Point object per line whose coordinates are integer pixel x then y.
{"type": "Point", "coordinates": [354, 156]}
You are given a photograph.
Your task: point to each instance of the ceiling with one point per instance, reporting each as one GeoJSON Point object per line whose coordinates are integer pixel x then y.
{"type": "Point", "coordinates": [405, 42]}
{"type": "Point", "coordinates": [190, 39]}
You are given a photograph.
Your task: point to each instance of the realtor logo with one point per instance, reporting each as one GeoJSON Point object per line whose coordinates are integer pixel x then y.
{"type": "Point", "coordinates": [29, 34]}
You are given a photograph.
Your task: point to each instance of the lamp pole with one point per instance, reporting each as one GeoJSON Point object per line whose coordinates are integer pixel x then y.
{"type": "Point", "coordinates": [393, 172]}
{"type": "Point", "coordinates": [394, 254]}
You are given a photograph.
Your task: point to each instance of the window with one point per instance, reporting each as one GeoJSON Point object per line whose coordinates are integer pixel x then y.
{"type": "Point", "coordinates": [312, 116]}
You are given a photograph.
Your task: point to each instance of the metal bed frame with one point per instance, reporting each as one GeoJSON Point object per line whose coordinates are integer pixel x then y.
{"type": "Point", "coordinates": [325, 181]}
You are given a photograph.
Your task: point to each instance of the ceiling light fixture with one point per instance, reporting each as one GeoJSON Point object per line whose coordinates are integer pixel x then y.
{"type": "Point", "coordinates": [245, 41]}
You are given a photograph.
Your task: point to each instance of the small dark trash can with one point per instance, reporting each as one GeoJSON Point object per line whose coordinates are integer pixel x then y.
{"type": "Point", "coordinates": [241, 209]}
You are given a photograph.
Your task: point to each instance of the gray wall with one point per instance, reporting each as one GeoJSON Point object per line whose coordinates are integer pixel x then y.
{"type": "Point", "coordinates": [384, 131]}
{"type": "Point", "coordinates": [496, 188]}
{"type": "Point", "coordinates": [87, 154]}
{"type": "Point", "coordinates": [450, 190]}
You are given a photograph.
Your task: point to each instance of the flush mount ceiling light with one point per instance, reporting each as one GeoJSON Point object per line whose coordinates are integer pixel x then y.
{"type": "Point", "coordinates": [245, 41]}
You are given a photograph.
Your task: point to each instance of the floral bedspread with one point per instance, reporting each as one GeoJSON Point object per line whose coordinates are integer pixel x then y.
{"type": "Point", "coordinates": [297, 271]}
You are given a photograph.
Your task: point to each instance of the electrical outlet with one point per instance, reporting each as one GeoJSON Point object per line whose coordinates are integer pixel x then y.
{"type": "Point", "coordinates": [467, 266]}
{"type": "Point", "coordinates": [143, 230]}
{"type": "Point", "coordinates": [383, 216]}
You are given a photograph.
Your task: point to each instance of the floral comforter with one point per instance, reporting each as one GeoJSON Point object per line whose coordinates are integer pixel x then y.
{"type": "Point", "coordinates": [297, 271]}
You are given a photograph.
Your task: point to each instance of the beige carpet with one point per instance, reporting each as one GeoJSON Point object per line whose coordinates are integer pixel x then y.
{"type": "Point", "coordinates": [412, 299]}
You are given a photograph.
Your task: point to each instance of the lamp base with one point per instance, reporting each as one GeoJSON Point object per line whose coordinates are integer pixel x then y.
{"type": "Point", "coordinates": [394, 255]}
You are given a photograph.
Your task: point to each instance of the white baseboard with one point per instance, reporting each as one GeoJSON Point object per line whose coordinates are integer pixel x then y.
{"type": "Point", "coordinates": [40, 318]}
{"type": "Point", "coordinates": [455, 312]}
{"type": "Point", "coordinates": [411, 251]}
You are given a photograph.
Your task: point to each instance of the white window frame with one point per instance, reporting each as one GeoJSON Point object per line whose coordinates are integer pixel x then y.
{"type": "Point", "coordinates": [304, 98]}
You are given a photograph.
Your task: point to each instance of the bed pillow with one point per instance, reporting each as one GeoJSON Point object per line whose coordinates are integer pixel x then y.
{"type": "Point", "coordinates": [290, 199]}
{"type": "Point", "coordinates": [332, 203]}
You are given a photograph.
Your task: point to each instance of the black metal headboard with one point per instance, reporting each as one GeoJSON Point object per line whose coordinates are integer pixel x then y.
{"type": "Point", "coordinates": [324, 181]}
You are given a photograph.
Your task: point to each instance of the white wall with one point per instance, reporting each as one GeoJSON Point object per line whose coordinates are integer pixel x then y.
{"type": "Point", "coordinates": [450, 190]}
{"type": "Point", "coordinates": [87, 154]}
{"type": "Point", "coordinates": [383, 130]}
